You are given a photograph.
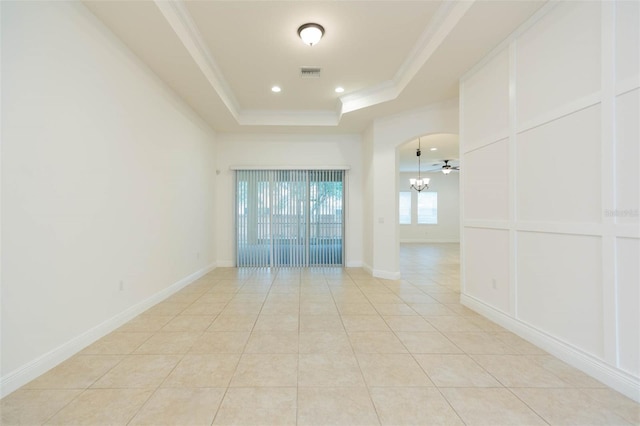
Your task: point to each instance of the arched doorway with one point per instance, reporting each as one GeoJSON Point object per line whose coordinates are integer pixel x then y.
{"type": "Point", "coordinates": [429, 220]}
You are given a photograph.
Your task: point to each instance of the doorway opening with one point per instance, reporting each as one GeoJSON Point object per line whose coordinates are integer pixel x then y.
{"type": "Point", "coordinates": [289, 218]}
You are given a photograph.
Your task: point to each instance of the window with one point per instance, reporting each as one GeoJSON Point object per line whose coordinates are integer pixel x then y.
{"type": "Point", "coordinates": [405, 208]}
{"type": "Point", "coordinates": [427, 208]}
{"type": "Point", "coordinates": [289, 217]}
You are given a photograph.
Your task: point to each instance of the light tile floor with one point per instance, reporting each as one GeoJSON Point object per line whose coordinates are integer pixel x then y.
{"type": "Point", "coordinates": [317, 347]}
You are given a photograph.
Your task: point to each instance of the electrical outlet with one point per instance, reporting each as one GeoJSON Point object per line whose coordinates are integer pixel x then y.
{"type": "Point", "coordinates": [494, 284]}
{"type": "Point", "coordinates": [198, 255]}
{"type": "Point", "coordinates": [121, 285]}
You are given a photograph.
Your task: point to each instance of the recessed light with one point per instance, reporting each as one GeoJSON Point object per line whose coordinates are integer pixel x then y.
{"type": "Point", "coordinates": [276, 89]}
{"type": "Point", "coordinates": [339, 89]}
{"type": "Point", "coordinates": [433, 149]}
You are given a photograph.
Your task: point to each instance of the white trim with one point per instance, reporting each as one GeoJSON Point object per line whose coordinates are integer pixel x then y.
{"type": "Point", "coordinates": [288, 118]}
{"type": "Point", "coordinates": [387, 275]}
{"type": "Point", "coordinates": [485, 223]}
{"type": "Point", "coordinates": [560, 112]}
{"type": "Point", "coordinates": [442, 24]}
{"type": "Point", "coordinates": [445, 20]}
{"type": "Point", "coordinates": [226, 264]}
{"type": "Point", "coordinates": [29, 371]}
{"type": "Point", "coordinates": [462, 140]}
{"type": "Point", "coordinates": [486, 141]}
{"type": "Point", "coordinates": [512, 152]}
{"type": "Point", "coordinates": [627, 85]}
{"type": "Point", "coordinates": [627, 230]}
{"type": "Point", "coordinates": [591, 229]}
{"type": "Point", "coordinates": [367, 268]}
{"type": "Point", "coordinates": [355, 264]}
{"type": "Point", "coordinates": [514, 35]}
{"type": "Point", "coordinates": [609, 279]}
{"type": "Point", "coordinates": [181, 22]}
{"type": "Point", "coordinates": [613, 377]}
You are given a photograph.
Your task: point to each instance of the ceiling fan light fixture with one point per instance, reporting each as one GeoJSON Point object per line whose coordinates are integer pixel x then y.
{"type": "Point", "coordinates": [310, 33]}
{"type": "Point", "coordinates": [448, 168]}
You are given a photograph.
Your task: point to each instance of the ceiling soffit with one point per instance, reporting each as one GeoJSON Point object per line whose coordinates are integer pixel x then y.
{"type": "Point", "coordinates": [444, 20]}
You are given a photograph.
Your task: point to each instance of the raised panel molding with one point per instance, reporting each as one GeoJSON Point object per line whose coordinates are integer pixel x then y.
{"type": "Point", "coordinates": [627, 176]}
{"type": "Point", "coordinates": [627, 384]}
{"type": "Point", "coordinates": [487, 266]}
{"type": "Point", "coordinates": [483, 121]}
{"type": "Point", "coordinates": [560, 287]}
{"type": "Point", "coordinates": [573, 188]}
{"type": "Point", "coordinates": [558, 60]}
{"type": "Point", "coordinates": [627, 35]}
{"type": "Point", "coordinates": [628, 315]}
{"type": "Point", "coordinates": [486, 190]}
{"type": "Point", "coordinates": [558, 170]}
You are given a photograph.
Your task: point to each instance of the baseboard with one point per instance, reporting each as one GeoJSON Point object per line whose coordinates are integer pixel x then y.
{"type": "Point", "coordinates": [226, 264]}
{"type": "Point", "coordinates": [355, 264]}
{"type": "Point", "coordinates": [367, 268]}
{"type": "Point", "coordinates": [46, 362]}
{"type": "Point", "coordinates": [387, 275]}
{"type": "Point", "coordinates": [619, 380]}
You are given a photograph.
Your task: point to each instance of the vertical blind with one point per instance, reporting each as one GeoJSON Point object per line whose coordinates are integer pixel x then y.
{"type": "Point", "coordinates": [289, 217]}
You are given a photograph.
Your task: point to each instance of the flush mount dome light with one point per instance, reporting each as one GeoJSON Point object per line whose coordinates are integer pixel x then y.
{"type": "Point", "coordinates": [310, 33]}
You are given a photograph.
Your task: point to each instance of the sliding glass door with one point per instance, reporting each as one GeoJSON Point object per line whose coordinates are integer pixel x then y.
{"type": "Point", "coordinates": [289, 217]}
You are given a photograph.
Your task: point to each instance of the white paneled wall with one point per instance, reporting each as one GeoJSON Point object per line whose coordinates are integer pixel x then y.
{"type": "Point", "coordinates": [549, 140]}
{"type": "Point", "coordinates": [560, 287]}
{"type": "Point", "coordinates": [627, 153]}
{"type": "Point", "coordinates": [487, 266]}
{"type": "Point", "coordinates": [486, 175]}
{"type": "Point", "coordinates": [558, 167]}
{"type": "Point", "coordinates": [627, 255]}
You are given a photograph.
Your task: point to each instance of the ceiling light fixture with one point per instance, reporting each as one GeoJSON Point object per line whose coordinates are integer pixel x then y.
{"type": "Point", "coordinates": [339, 89]}
{"type": "Point", "coordinates": [310, 33]}
{"type": "Point", "coordinates": [276, 89]}
{"type": "Point", "coordinates": [448, 168]}
{"type": "Point", "coordinates": [434, 149]}
{"type": "Point", "coordinates": [421, 183]}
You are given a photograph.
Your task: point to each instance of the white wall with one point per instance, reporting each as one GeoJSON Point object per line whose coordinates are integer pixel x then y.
{"type": "Point", "coordinates": [106, 178]}
{"type": "Point", "coordinates": [386, 135]}
{"type": "Point", "coordinates": [289, 151]}
{"type": "Point", "coordinates": [367, 198]}
{"type": "Point", "coordinates": [549, 144]}
{"type": "Point", "coordinates": [447, 230]}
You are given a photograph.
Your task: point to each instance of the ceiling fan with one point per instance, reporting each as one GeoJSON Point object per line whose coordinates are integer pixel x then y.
{"type": "Point", "coordinates": [446, 168]}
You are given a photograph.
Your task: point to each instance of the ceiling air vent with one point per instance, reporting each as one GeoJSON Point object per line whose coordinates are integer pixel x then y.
{"type": "Point", "coordinates": [310, 72]}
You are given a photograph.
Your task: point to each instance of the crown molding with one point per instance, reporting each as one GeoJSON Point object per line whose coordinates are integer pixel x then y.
{"type": "Point", "coordinates": [180, 20]}
{"type": "Point", "coordinates": [444, 21]}
{"type": "Point", "coordinates": [288, 118]}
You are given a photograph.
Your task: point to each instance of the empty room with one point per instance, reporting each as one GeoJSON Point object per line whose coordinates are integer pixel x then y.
{"type": "Point", "coordinates": [320, 212]}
